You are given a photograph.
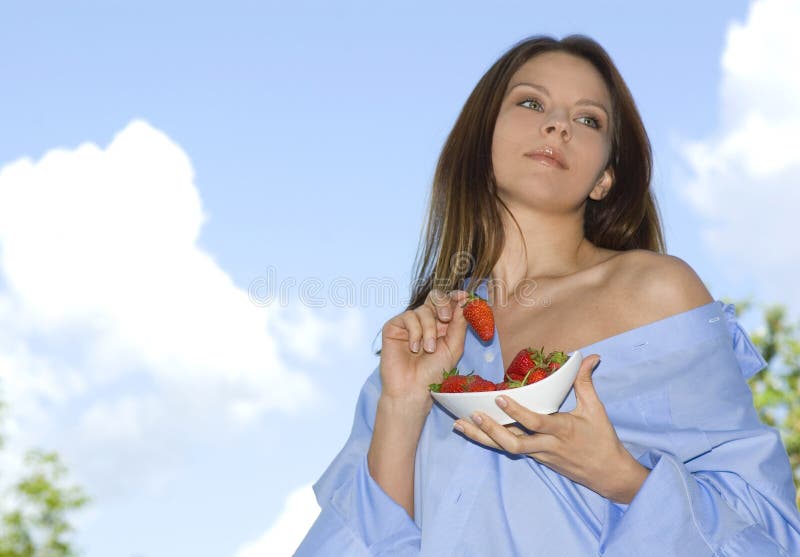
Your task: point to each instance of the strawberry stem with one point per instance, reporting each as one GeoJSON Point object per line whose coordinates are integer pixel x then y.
{"type": "Point", "coordinates": [524, 379]}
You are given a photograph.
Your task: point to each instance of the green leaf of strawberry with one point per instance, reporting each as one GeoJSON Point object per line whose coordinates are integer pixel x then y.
{"type": "Point", "coordinates": [557, 356]}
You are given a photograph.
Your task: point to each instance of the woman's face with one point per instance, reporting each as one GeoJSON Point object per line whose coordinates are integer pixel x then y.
{"type": "Point", "coordinates": [552, 139]}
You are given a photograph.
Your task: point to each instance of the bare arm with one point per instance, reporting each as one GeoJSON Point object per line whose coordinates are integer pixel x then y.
{"type": "Point", "coordinates": [405, 375]}
{"type": "Point", "coordinates": [393, 449]}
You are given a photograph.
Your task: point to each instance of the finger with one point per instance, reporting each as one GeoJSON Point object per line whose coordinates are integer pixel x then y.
{"type": "Point", "coordinates": [551, 424]}
{"type": "Point", "coordinates": [507, 440]}
{"type": "Point", "coordinates": [538, 446]}
{"type": "Point", "coordinates": [394, 329]}
{"type": "Point", "coordinates": [427, 318]}
{"type": "Point", "coordinates": [441, 302]}
{"type": "Point", "coordinates": [585, 393]}
{"type": "Point", "coordinates": [457, 298]}
{"type": "Point", "coordinates": [512, 428]}
{"type": "Point", "coordinates": [474, 432]}
{"type": "Point", "coordinates": [456, 331]}
{"type": "Point", "coordinates": [516, 430]}
{"type": "Point", "coordinates": [414, 327]}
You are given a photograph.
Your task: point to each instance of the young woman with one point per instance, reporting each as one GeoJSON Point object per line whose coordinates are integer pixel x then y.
{"type": "Point", "coordinates": [541, 203]}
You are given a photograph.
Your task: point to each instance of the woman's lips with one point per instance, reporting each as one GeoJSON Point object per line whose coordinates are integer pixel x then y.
{"type": "Point", "coordinates": [548, 156]}
{"type": "Point", "coordinates": [545, 160]}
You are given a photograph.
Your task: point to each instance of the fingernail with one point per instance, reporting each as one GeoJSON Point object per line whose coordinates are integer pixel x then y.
{"type": "Point", "coordinates": [445, 314]}
{"type": "Point", "coordinates": [477, 419]}
{"type": "Point", "coordinates": [415, 346]}
{"type": "Point", "coordinates": [430, 345]}
{"type": "Point", "coordinates": [457, 426]}
{"type": "Point", "coordinates": [501, 402]}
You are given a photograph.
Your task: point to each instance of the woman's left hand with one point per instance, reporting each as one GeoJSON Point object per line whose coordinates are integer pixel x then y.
{"type": "Point", "coordinates": [581, 445]}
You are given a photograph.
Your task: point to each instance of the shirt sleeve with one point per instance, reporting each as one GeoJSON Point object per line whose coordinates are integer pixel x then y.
{"type": "Point", "coordinates": [724, 488]}
{"type": "Point", "coordinates": [677, 512]}
{"type": "Point", "coordinates": [357, 517]}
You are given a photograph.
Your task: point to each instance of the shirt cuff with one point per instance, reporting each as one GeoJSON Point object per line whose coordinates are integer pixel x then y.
{"type": "Point", "coordinates": [672, 514]}
{"type": "Point", "coordinates": [378, 520]}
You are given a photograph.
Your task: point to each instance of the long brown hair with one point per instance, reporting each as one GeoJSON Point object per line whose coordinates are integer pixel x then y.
{"type": "Point", "coordinates": [464, 234]}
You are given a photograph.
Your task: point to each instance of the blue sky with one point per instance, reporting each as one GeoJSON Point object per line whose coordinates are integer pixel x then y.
{"type": "Point", "coordinates": [157, 160]}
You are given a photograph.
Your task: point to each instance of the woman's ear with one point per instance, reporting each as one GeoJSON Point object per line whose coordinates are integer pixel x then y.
{"type": "Point", "coordinates": [603, 185]}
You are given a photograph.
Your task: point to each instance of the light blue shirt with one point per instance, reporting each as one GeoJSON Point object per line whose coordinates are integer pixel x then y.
{"type": "Point", "coordinates": [675, 391]}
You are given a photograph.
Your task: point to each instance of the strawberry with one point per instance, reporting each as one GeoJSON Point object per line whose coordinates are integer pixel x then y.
{"type": "Point", "coordinates": [520, 365]}
{"type": "Point", "coordinates": [479, 315]}
{"type": "Point", "coordinates": [525, 360]}
{"type": "Point", "coordinates": [437, 387]}
{"type": "Point", "coordinates": [555, 359]}
{"type": "Point", "coordinates": [479, 384]}
{"type": "Point", "coordinates": [535, 375]}
{"type": "Point", "coordinates": [528, 367]}
{"type": "Point", "coordinates": [454, 384]}
{"type": "Point", "coordinates": [508, 384]}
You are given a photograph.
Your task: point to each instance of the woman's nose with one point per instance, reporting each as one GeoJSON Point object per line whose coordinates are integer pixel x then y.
{"type": "Point", "coordinates": [556, 122]}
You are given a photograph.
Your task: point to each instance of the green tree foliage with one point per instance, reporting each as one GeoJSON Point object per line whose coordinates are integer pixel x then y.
{"type": "Point", "coordinates": [775, 388]}
{"type": "Point", "coordinates": [36, 523]}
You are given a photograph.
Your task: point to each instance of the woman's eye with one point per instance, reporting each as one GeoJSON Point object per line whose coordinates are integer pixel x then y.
{"type": "Point", "coordinates": [591, 122]}
{"type": "Point", "coordinates": [536, 105]}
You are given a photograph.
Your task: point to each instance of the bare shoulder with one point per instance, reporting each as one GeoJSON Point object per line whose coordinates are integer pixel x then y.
{"type": "Point", "coordinates": [661, 285]}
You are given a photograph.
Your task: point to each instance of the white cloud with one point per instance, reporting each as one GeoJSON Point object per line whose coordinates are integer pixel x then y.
{"type": "Point", "coordinates": [121, 340]}
{"type": "Point", "coordinates": [284, 536]}
{"type": "Point", "coordinates": [747, 173]}
{"type": "Point", "coordinates": [305, 333]}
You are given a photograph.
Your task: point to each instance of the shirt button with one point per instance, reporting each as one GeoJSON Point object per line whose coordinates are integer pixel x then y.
{"type": "Point", "coordinates": [488, 356]}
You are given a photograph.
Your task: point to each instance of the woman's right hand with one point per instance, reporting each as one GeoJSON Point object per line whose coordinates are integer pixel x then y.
{"type": "Point", "coordinates": [419, 344]}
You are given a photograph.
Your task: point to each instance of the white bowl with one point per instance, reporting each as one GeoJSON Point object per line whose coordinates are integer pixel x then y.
{"type": "Point", "coordinates": [544, 397]}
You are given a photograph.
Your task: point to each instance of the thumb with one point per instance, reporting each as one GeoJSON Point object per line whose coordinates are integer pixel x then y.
{"type": "Point", "coordinates": [585, 393]}
{"type": "Point", "coordinates": [456, 331]}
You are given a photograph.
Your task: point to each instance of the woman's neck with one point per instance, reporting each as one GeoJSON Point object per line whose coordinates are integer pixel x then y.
{"type": "Point", "coordinates": [555, 245]}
